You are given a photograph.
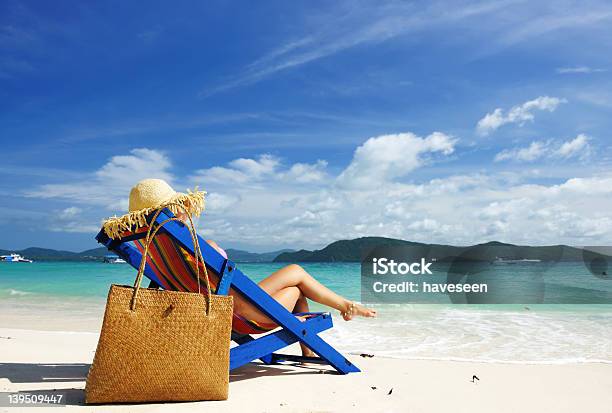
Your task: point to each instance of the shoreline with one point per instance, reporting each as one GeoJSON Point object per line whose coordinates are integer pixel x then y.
{"type": "Point", "coordinates": [46, 360]}
{"type": "Point", "coordinates": [452, 334]}
{"type": "Point", "coordinates": [353, 353]}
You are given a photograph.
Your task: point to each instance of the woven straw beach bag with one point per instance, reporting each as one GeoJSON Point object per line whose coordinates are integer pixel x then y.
{"type": "Point", "coordinates": [158, 345]}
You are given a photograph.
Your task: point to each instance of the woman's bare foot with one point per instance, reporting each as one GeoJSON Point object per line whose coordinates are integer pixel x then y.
{"type": "Point", "coordinates": [353, 309]}
{"type": "Point", "coordinates": [306, 352]}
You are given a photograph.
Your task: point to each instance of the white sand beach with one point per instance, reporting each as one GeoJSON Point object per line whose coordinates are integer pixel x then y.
{"type": "Point", "coordinates": [47, 360]}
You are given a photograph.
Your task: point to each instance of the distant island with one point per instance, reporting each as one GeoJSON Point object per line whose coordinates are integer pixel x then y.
{"type": "Point", "coordinates": [98, 254]}
{"type": "Point", "coordinates": [342, 251]}
{"type": "Point", "coordinates": [48, 254]}
{"type": "Point", "coordinates": [352, 250]}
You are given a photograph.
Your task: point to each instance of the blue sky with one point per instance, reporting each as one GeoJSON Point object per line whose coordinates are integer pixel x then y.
{"type": "Point", "coordinates": [307, 122]}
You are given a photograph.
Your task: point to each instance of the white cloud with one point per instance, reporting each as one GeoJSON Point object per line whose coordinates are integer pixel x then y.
{"type": "Point", "coordinates": [597, 96]}
{"type": "Point", "coordinates": [278, 211]}
{"type": "Point", "coordinates": [266, 164]}
{"type": "Point", "coordinates": [219, 202]}
{"type": "Point", "coordinates": [383, 158]}
{"type": "Point", "coordinates": [240, 170]}
{"type": "Point", "coordinates": [219, 174]}
{"type": "Point", "coordinates": [71, 219]}
{"type": "Point", "coordinates": [517, 114]}
{"type": "Point", "coordinates": [307, 173]}
{"type": "Point", "coordinates": [534, 151]}
{"type": "Point", "coordinates": [265, 167]}
{"type": "Point", "coordinates": [578, 147]}
{"type": "Point", "coordinates": [426, 224]}
{"type": "Point", "coordinates": [102, 192]}
{"type": "Point", "coordinates": [141, 164]}
{"type": "Point", "coordinates": [109, 186]}
{"type": "Point", "coordinates": [345, 29]}
{"type": "Point", "coordinates": [486, 27]}
{"type": "Point", "coordinates": [70, 212]}
{"type": "Point", "coordinates": [585, 186]}
{"type": "Point", "coordinates": [434, 211]}
{"type": "Point", "coordinates": [75, 227]}
{"type": "Point", "coordinates": [578, 70]}
{"type": "Point", "coordinates": [548, 20]}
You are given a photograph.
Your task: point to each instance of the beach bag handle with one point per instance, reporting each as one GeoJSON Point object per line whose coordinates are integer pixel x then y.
{"type": "Point", "coordinates": [196, 247]}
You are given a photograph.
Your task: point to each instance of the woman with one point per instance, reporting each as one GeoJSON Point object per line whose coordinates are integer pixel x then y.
{"type": "Point", "coordinates": [291, 286]}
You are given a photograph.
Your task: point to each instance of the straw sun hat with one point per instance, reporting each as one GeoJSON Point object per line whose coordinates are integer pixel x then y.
{"type": "Point", "coordinates": [150, 195]}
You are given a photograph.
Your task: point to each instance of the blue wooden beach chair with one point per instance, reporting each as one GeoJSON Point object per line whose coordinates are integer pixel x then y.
{"type": "Point", "coordinates": [170, 266]}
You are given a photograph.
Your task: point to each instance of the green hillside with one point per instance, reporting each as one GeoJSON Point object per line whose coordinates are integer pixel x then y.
{"type": "Point", "coordinates": [343, 250]}
{"type": "Point", "coordinates": [352, 250]}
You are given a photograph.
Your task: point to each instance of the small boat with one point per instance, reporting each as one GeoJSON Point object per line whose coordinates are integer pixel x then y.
{"type": "Point", "coordinates": [113, 259]}
{"type": "Point", "coordinates": [501, 260]}
{"type": "Point", "coordinates": [14, 258]}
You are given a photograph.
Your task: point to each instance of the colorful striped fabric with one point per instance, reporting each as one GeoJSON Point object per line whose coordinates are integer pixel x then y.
{"type": "Point", "coordinates": [175, 269]}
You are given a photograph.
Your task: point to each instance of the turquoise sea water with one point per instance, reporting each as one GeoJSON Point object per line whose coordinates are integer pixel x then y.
{"type": "Point", "coordinates": [510, 333]}
{"type": "Point", "coordinates": [80, 280]}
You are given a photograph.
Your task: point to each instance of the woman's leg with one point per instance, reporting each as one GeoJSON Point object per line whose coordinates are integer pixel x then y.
{"type": "Point", "coordinates": [301, 306]}
{"type": "Point", "coordinates": [286, 285]}
{"type": "Point", "coordinates": [291, 286]}
{"type": "Point", "coordinates": [287, 297]}
{"type": "Point", "coordinates": [295, 276]}
{"type": "Point", "coordinates": [293, 300]}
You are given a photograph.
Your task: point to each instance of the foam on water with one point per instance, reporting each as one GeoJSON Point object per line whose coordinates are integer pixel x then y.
{"type": "Point", "coordinates": [17, 292]}
{"type": "Point", "coordinates": [491, 335]}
